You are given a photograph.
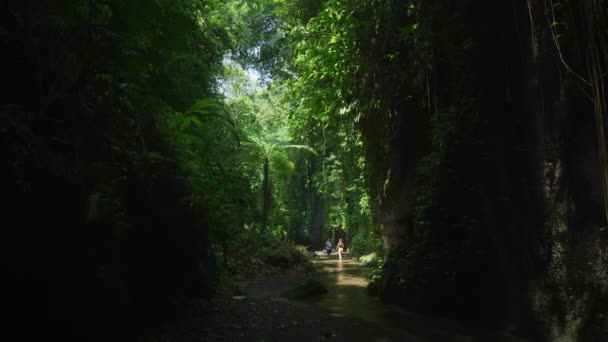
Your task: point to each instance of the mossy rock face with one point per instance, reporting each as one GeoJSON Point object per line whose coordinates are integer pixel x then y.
{"type": "Point", "coordinates": [308, 288]}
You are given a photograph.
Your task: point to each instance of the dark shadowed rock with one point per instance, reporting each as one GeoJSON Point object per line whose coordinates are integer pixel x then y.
{"type": "Point", "coordinates": [307, 288]}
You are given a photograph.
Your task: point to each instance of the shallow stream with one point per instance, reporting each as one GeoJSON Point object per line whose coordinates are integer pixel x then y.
{"type": "Point", "coordinates": [346, 282]}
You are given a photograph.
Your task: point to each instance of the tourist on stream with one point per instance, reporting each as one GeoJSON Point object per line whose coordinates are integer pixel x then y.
{"type": "Point", "coordinates": [340, 248]}
{"type": "Point", "coordinates": [328, 247]}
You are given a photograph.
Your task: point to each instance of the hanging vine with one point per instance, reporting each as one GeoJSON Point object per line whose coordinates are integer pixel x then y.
{"type": "Point", "coordinates": [596, 49]}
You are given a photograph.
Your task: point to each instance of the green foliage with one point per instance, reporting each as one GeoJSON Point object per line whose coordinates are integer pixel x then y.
{"type": "Point", "coordinates": [285, 114]}
{"type": "Point", "coordinates": [363, 244]}
{"type": "Point", "coordinates": [376, 278]}
{"type": "Point", "coordinates": [369, 259]}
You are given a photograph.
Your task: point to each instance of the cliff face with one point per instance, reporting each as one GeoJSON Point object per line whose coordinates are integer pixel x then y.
{"type": "Point", "coordinates": [90, 245]}
{"type": "Point", "coordinates": [541, 187]}
{"type": "Point", "coordinates": [510, 221]}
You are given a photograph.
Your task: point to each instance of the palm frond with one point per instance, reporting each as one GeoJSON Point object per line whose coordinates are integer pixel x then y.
{"type": "Point", "coordinates": [301, 147]}
{"type": "Point", "coordinates": [207, 108]}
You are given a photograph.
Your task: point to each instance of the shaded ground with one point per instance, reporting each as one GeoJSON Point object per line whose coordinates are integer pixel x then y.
{"type": "Point", "coordinates": [276, 320]}
{"type": "Point", "coordinates": [345, 313]}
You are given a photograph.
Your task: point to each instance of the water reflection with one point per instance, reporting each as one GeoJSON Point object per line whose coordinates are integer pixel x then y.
{"type": "Point", "coordinates": [340, 275]}
{"type": "Point", "coordinates": [346, 282]}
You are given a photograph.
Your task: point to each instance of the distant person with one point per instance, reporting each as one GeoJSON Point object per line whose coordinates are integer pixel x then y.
{"type": "Point", "coordinates": [340, 248]}
{"type": "Point", "coordinates": [328, 247]}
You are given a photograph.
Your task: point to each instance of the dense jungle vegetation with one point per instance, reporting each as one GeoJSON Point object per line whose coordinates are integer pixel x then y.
{"type": "Point", "coordinates": [153, 149]}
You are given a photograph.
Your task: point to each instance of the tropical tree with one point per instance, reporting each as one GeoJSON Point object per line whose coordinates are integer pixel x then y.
{"type": "Point", "coordinates": [265, 146]}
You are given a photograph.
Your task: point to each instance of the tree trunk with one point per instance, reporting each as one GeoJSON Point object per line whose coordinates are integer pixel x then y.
{"type": "Point", "coordinates": [317, 221]}
{"type": "Point", "coordinates": [267, 194]}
